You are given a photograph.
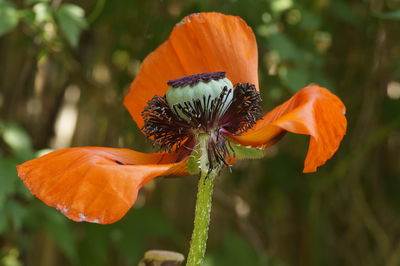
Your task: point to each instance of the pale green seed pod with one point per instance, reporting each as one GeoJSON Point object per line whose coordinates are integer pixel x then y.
{"type": "Point", "coordinates": [200, 91]}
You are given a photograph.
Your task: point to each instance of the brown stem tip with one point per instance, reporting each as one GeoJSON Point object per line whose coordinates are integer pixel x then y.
{"type": "Point", "coordinates": [161, 258]}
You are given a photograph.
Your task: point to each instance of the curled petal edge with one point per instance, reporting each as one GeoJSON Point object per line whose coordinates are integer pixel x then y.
{"type": "Point", "coordinates": [312, 111]}
{"type": "Point", "coordinates": [95, 184]}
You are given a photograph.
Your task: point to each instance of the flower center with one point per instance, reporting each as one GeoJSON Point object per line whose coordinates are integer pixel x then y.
{"type": "Point", "coordinates": [205, 103]}
{"type": "Point", "coordinates": [200, 99]}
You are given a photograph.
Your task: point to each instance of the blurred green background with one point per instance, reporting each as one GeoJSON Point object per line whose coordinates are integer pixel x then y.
{"type": "Point", "coordinates": [66, 65]}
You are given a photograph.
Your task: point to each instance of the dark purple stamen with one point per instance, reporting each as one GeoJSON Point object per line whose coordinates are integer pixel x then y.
{"type": "Point", "coordinates": [195, 79]}
{"type": "Point", "coordinates": [244, 111]}
{"type": "Point", "coordinates": [174, 128]}
{"type": "Point", "coordinates": [163, 126]}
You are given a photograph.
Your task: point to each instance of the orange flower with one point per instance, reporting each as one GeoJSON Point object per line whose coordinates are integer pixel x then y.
{"type": "Point", "coordinates": [100, 185]}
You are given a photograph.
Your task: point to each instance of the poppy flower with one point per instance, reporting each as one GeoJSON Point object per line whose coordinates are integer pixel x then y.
{"type": "Point", "coordinates": [202, 80]}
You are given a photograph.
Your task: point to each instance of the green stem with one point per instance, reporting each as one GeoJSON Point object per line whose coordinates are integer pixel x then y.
{"type": "Point", "coordinates": [201, 219]}
{"type": "Point", "coordinates": [203, 206]}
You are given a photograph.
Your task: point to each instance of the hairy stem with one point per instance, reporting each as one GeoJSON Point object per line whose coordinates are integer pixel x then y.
{"type": "Point", "coordinates": [201, 220]}
{"type": "Point", "coordinates": [198, 242]}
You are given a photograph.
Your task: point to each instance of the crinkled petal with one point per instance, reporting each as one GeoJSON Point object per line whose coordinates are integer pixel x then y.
{"type": "Point", "coordinates": [202, 42]}
{"type": "Point", "coordinates": [95, 184]}
{"type": "Point", "coordinates": [311, 111]}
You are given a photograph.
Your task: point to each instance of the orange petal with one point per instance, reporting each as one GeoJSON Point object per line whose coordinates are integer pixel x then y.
{"type": "Point", "coordinates": [311, 111]}
{"type": "Point", "coordinates": [203, 42]}
{"type": "Point", "coordinates": [95, 184]}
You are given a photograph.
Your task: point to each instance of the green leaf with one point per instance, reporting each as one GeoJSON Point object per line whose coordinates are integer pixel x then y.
{"type": "Point", "coordinates": [16, 138]}
{"type": "Point", "coordinates": [8, 17]}
{"type": "Point", "coordinates": [395, 15]}
{"type": "Point", "coordinates": [42, 12]}
{"type": "Point", "coordinates": [279, 6]}
{"type": "Point", "coordinates": [243, 152]}
{"type": "Point", "coordinates": [71, 20]}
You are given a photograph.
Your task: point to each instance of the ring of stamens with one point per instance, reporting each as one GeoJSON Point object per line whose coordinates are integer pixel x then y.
{"type": "Point", "coordinates": [177, 127]}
